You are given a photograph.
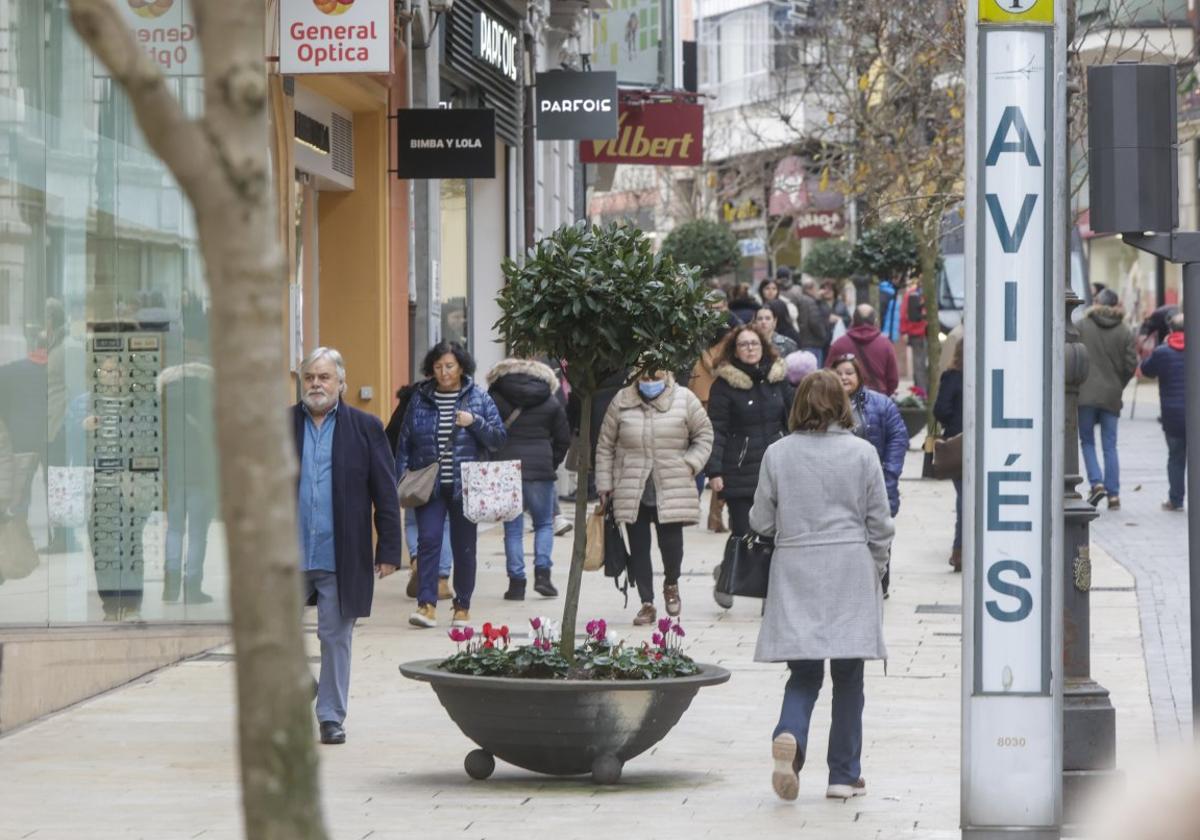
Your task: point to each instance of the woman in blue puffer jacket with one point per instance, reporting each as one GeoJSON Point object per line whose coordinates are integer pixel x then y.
{"type": "Point", "coordinates": [447, 413]}
{"type": "Point", "coordinates": [878, 421]}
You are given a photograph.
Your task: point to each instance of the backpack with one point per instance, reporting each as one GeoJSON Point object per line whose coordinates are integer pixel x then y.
{"type": "Point", "coordinates": [914, 312]}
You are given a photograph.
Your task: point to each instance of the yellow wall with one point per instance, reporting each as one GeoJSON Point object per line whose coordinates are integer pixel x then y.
{"type": "Point", "coordinates": [355, 299]}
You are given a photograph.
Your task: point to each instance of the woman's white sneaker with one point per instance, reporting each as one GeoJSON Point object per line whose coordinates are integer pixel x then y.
{"type": "Point", "coordinates": [784, 778]}
{"type": "Point", "coordinates": [858, 788]}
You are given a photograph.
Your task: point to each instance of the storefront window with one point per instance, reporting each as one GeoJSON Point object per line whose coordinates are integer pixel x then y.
{"type": "Point", "coordinates": [455, 262]}
{"type": "Point", "coordinates": [108, 484]}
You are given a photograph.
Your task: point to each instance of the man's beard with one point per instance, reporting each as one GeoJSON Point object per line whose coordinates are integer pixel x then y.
{"type": "Point", "coordinates": [318, 401]}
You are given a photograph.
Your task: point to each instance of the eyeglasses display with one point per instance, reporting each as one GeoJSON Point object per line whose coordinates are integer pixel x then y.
{"type": "Point", "coordinates": [124, 448]}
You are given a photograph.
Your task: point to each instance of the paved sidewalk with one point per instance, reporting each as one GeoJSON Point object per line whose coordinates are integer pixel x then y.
{"type": "Point", "coordinates": [1152, 544]}
{"type": "Point", "coordinates": [156, 759]}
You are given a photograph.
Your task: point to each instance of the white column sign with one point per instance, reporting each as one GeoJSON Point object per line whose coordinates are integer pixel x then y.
{"type": "Point", "coordinates": [1012, 641]}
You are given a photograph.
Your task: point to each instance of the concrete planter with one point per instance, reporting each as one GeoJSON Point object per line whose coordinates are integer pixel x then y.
{"type": "Point", "coordinates": [914, 420]}
{"type": "Point", "coordinates": [561, 727]}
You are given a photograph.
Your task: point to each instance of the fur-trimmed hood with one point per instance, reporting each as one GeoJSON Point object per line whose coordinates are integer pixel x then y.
{"type": "Point", "coordinates": [741, 380]}
{"type": "Point", "coordinates": [522, 383]}
{"type": "Point", "coordinates": [1106, 317]}
{"type": "Point", "coordinates": [177, 373]}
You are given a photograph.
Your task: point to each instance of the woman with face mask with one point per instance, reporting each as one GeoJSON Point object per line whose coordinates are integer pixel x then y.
{"type": "Point", "coordinates": [654, 440]}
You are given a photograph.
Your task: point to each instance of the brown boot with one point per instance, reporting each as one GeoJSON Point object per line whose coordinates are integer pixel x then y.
{"type": "Point", "coordinates": [956, 559]}
{"type": "Point", "coordinates": [716, 515]}
{"type": "Point", "coordinates": [646, 615]}
{"type": "Point", "coordinates": [444, 591]}
{"type": "Point", "coordinates": [414, 583]}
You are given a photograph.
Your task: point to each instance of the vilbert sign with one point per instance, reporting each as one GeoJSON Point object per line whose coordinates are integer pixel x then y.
{"type": "Point", "coordinates": [1012, 634]}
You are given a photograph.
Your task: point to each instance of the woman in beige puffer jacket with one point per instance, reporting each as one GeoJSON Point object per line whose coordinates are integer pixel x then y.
{"type": "Point", "coordinates": [654, 440]}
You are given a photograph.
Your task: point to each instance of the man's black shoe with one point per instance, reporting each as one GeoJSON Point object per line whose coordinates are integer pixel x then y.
{"type": "Point", "coordinates": [332, 733]}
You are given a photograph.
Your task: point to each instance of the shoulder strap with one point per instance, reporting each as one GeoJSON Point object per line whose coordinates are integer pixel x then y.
{"type": "Point", "coordinates": [512, 418]}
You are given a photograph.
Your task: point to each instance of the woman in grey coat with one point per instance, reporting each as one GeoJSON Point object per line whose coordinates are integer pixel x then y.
{"type": "Point", "coordinates": [821, 496]}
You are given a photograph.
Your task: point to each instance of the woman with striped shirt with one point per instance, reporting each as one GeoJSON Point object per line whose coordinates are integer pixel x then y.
{"type": "Point", "coordinates": [451, 418]}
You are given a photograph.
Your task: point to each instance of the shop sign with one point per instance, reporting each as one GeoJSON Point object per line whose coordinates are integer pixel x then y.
{"type": "Point", "coordinates": [335, 36]}
{"type": "Point", "coordinates": [743, 211]}
{"type": "Point", "coordinates": [818, 224]}
{"type": "Point", "coordinates": [576, 106]}
{"type": "Point", "coordinates": [654, 133]}
{"type": "Point", "coordinates": [166, 30]}
{"type": "Point", "coordinates": [752, 247]}
{"type": "Point", "coordinates": [495, 45]}
{"type": "Point", "coordinates": [446, 143]}
{"type": "Point", "coordinates": [628, 39]}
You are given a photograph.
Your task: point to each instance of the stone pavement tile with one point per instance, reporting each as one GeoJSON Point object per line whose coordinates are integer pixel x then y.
{"type": "Point", "coordinates": [157, 758]}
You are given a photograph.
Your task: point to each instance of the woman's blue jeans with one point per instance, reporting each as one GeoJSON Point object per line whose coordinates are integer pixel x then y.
{"type": "Point", "coordinates": [539, 501]}
{"type": "Point", "coordinates": [1089, 417]}
{"type": "Point", "coordinates": [410, 536]}
{"type": "Point", "coordinates": [845, 734]}
{"type": "Point", "coordinates": [432, 518]}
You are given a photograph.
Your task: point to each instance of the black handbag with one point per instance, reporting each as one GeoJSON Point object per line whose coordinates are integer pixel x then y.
{"type": "Point", "coordinates": [746, 568]}
{"type": "Point", "coordinates": [616, 555]}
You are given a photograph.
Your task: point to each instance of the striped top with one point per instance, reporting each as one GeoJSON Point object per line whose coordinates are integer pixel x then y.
{"type": "Point", "coordinates": [447, 403]}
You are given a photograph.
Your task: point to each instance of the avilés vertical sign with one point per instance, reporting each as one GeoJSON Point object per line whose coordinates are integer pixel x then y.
{"type": "Point", "coordinates": [1012, 618]}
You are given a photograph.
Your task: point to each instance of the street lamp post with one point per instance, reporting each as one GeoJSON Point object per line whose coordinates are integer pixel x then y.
{"type": "Point", "coordinates": [1089, 719]}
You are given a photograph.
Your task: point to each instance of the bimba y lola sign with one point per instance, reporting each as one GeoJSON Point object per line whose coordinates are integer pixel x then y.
{"type": "Point", "coordinates": [1015, 234]}
{"type": "Point", "coordinates": [335, 36]}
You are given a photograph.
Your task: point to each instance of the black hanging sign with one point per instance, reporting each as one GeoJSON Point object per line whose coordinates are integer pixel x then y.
{"type": "Point", "coordinates": [445, 143]}
{"type": "Point", "coordinates": [576, 106]}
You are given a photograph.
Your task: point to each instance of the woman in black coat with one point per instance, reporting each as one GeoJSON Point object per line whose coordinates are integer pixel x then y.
{"type": "Point", "coordinates": [948, 410]}
{"type": "Point", "coordinates": [748, 406]}
{"type": "Point", "coordinates": [538, 437]}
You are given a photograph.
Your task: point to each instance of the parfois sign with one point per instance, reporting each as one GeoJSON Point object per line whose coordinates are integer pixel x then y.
{"type": "Point", "coordinates": [335, 36]}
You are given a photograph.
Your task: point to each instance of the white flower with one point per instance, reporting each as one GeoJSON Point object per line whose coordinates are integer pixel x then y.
{"type": "Point", "coordinates": [612, 639]}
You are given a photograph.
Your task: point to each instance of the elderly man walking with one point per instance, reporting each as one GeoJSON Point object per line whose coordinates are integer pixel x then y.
{"type": "Point", "coordinates": [872, 348]}
{"type": "Point", "coordinates": [1112, 361]}
{"type": "Point", "coordinates": [346, 468]}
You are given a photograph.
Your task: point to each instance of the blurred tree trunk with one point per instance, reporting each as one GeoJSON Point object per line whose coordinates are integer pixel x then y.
{"type": "Point", "coordinates": [222, 162]}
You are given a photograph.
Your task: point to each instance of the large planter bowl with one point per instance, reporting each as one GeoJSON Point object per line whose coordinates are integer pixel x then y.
{"type": "Point", "coordinates": [915, 420]}
{"type": "Point", "coordinates": [561, 727]}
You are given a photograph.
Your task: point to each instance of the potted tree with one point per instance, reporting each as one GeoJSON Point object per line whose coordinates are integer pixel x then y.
{"type": "Point", "coordinates": [599, 300]}
{"type": "Point", "coordinates": [710, 247]}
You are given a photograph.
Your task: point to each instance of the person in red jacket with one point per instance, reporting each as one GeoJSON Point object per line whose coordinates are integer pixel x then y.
{"type": "Point", "coordinates": [914, 325]}
{"type": "Point", "coordinates": [872, 348]}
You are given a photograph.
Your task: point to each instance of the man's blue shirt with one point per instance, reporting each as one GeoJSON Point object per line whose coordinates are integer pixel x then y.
{"type": "Point", "coordinates": [316, 493]}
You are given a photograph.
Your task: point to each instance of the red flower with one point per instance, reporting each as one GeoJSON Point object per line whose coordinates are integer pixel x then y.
{"type": "Point", "coordinates": [488, 644]}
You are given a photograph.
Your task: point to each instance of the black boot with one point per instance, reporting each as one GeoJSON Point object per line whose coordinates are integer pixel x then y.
{"type": "Point", "coordinates": [542, 584]}
{"type": "Point", "coordinates": [516, 590]}
{"type": "Point", "coordinates": [171, 581]}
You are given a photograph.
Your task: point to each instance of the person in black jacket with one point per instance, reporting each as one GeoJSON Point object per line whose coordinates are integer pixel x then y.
{"type": "Point", "coordinates": [948, 410]}
{"type": "Point", "coordinates": [748, 406]}
{"type": "Point", "coordinates": [538, 436]}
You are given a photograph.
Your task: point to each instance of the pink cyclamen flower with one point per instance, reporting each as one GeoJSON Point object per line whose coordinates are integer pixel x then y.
{"type": "Point", "coordinates": [601, 629]}
{"type": "Point", "coordinates": [657, 639]}
{"type": "Point", "coordinates": [456, 635]}
{"type": "Point", "coordinates": [591, 627]}
{"type": "Point", "coordinates": [468, 633]}
{"type": "Point", "coordinates": [664, 625]}
{"type": "Point", "coordinates": [677, 629]}
{"type": "Point", "coordinates": [535, 623]}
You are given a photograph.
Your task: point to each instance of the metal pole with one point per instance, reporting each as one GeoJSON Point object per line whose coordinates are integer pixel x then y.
{"type": "Point", "coordinates": [1191, 319]}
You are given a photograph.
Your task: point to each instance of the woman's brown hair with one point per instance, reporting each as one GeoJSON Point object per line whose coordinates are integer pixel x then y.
{"type": "Point", "coordinates": [820, 404]}
{"type": "Point", "coordinates": [858, 368]}
{"type": "Point", "coordinates": [727, 353]}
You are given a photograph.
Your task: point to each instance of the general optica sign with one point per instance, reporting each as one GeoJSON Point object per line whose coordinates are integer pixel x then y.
{"type": "Point", "coordinates": [654, 133]}
{"type": "Point", "coordinates": [166, 30]}
{"type": "Point", "coordinates": [335, 36]}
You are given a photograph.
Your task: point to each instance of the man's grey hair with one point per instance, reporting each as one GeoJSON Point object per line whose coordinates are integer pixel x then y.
{"type": "Point", "coordinates": [325, 353]}
{"type": "Point", "coordinates": [807, 283]}
{"type": "Point", "coordinates": [1176, 322]}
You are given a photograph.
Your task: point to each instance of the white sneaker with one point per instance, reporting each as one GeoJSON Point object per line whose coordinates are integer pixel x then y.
{"type": "Point", "coordinates": [843, 792]}
{"type": "Point", "coordinates": [784, 778]}
{"type": "Point", "coordinates": [562, 525]}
